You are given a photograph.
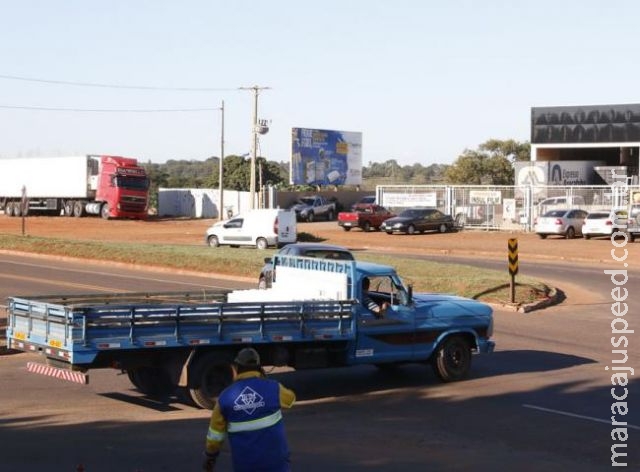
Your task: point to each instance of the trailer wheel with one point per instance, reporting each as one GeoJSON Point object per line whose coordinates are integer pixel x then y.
{"type": "Point", "coordinates": [68, 208]}
{"type": "Point", "coordinates": [452, 359]}
{"type": "Point", "coordinates": [104, 212]}
{"type": "Point", "coordinates": [152, 381]}
{"type": "Point", "coordinates": [213, 378]}
{"type": "Point", "coordinates": [261, 243]}
{"type": "Point", "coordinates": [78, 209]}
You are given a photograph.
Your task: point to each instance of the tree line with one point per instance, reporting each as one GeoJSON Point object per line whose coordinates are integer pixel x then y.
{"type": "Point", "coordinates": [491, 163]}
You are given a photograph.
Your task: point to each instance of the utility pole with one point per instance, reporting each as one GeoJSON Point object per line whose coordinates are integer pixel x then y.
{"type": "Point", "coordinates": [221, 188]}
{"type": "Point", "coordinates": [255, 130]}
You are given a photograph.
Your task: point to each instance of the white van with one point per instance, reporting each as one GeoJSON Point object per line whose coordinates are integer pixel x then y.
{"type": "Point", "coordinates": [260, 228]}
{"type": "Point", "coordinates": [557, 203]}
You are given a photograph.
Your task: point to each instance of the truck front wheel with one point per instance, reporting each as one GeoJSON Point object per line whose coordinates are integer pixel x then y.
{"type": "Point", "coordinates": [452, 359]}
{"type": "Point", "coordinates": [213, 379]}
{"type": "Point", "coordinates": [310, 217]}
{"type": "Point", "coordinates": [104, 211]}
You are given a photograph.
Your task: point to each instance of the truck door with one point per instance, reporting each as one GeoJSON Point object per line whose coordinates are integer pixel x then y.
{"type": "Point", "coordinates": [389, 338]}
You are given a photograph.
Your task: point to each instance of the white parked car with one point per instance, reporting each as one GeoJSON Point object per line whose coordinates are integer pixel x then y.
{"type": "Point", "coordinates": [565, 222]}
{"type": "Point", "coordinates": [600, 223]}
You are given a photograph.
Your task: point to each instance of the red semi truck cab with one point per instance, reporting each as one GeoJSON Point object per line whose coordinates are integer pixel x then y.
{"type": "Point", "coordinates": [122, 189]}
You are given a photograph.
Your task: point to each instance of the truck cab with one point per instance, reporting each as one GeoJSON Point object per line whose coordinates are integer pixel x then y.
{"type": "Point", "coordinates": [440, 329]}
{"type": "Point", "coordinates": [121, 188]}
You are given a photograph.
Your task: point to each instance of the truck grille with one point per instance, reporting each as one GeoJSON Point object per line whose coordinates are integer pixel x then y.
{"type": "Point", "coordinates": [133, 203]}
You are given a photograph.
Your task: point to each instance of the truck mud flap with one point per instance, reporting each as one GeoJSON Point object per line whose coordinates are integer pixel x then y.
{"type": "Point", "coordinates": [63, 374]}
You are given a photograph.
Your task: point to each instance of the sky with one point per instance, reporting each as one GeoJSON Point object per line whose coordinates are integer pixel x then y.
{"type": "Point", "coordinates": [421, 80]}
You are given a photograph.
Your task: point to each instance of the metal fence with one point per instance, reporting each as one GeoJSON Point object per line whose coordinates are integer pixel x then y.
{"type": "Point", "coordinates": [495, 207]}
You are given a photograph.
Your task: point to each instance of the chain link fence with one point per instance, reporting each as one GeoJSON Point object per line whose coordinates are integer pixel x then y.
{"type": "Point", "coordinates": [503, 207]}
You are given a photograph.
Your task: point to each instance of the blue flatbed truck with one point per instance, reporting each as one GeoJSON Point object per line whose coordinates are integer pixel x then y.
{"type": "Point", "coordinates": [185, 341]}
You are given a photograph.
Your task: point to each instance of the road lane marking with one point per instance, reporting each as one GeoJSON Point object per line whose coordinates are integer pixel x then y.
{"type": "Point", "coordinates": [574, 415]}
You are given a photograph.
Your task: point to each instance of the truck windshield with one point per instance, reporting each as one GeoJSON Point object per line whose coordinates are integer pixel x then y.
{"type": "Point", "coordinates": [132, 183]}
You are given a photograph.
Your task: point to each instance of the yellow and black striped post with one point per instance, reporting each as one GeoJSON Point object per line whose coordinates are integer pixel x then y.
{"type": "Point", "coordinates": [513, 266]}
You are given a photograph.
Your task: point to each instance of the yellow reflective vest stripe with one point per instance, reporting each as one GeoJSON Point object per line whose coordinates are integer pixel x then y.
{"type": "Point", "coordinates": [253, 425]}
{"type": "Point", "coordinates": [213, 435]}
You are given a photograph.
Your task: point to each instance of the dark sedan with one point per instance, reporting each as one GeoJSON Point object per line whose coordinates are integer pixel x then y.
{"type": "Point", "coordinates": [320, 251]}
{"type": "Point", "coordinates": [418, 220]}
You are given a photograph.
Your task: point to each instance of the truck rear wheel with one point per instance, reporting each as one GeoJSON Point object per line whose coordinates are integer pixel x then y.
{"type": "Point", "coordinates": [452, 359]}
{"type": "Point", "coordinates": [8, 209]}
{"type": "Point", "coordinates": [366, 227]}
{"type": "Point", "coordinates": [213, 378]}
{"type": "Point", "coordinates": [78, 209]}
{"type": "Point", "coordinates": [68, 208]}
{"type": "Point", "coordinates": [152, 381]}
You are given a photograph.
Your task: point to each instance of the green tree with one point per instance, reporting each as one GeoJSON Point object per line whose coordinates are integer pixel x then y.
{"type": "Point", "coordinates": [491, 163]}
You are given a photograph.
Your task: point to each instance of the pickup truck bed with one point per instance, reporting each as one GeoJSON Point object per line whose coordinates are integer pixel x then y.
{"type": "Point", "coordinates": [78, 329]}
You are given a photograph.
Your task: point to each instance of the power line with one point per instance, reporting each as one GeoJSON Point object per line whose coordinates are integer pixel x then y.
{"type": "Point", "coordinates": [116, 86]}
{"type": "Point", "coordinates": [104, 110]}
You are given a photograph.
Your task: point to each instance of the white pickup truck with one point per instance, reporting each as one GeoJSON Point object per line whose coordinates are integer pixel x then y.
{"type": "Point", "coordinates": [314, 207]}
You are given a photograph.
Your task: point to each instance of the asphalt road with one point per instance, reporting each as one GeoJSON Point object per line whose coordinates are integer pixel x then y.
{"type": "Point", "coordinates": [542, 401]}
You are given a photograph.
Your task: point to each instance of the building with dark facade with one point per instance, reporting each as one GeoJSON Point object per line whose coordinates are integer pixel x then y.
{"type": "Point", "coordinates": [584, 144]}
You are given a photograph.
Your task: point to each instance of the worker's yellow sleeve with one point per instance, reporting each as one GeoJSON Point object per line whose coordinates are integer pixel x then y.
{"type": "Point", "coordinates": [217, 431]}
{"type": "Point", "coordinates": [287, 397]}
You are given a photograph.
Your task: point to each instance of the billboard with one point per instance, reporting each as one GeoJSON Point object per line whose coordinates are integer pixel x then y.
{"type": "Point", "coordinates": [325, 157]}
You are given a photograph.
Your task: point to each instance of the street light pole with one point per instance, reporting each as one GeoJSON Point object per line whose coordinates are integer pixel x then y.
{"type": "Point", "coordinates": [221, 188]}
{"type": "Point", "coordinates": [254, 142]}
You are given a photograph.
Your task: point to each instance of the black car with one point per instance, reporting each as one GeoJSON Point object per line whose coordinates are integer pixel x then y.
{"type": "Point", "coordinates": [320, 251]}
{"type": "Point", "coordinates": [418, 220]}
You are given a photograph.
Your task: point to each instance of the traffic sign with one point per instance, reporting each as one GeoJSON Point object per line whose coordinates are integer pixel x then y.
{"type": "Point", "coordinates": [513, 256]}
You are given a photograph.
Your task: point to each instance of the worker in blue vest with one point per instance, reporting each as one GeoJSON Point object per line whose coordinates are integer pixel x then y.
{"type": "Point", "coordinates": [249, 413]}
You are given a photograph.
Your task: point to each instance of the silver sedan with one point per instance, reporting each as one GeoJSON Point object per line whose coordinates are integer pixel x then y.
{"type": "Point", "coordinates": [566, 223]}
